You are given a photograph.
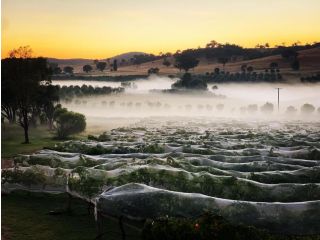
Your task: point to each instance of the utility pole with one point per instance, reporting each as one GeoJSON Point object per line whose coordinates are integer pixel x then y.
{"type": "Point", "coordinates": [278, 98]}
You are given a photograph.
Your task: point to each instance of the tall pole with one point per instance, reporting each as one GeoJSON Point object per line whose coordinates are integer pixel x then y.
{"type": "Point", "coordinates": [278, 98]}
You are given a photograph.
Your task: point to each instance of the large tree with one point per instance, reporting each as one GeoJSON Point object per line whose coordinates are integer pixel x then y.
{"type": "Point", "coordinates": [101, 66]}
{"type": "Point", "coordinates": [48, 98]}
{"type": "Point", "coordinates": [186, 61]}
{"type": "Point", "coordinates": [68, 69]}
{"type": "Point", "coordinates": [87, 68]}
{"type": "Point", "coordinates": [22, 78]}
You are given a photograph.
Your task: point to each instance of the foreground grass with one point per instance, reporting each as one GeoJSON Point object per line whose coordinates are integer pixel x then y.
{"type": "Point", "coordinates": [12, 139]}
{"type": "Point", "coordinates": [25, 216]}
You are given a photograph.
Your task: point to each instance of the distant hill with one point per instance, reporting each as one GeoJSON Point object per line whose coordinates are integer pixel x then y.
{"type": "Point", "coordinates": [309, 64]}
{"type": "Point", "coordinates": [126, 56]}
{"type": "Point", "coordinates": [83, 61]}
{"type": "Point", "coordinates": [71, 61]}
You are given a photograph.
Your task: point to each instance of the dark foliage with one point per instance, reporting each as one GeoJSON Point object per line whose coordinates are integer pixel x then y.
{"type": "Point", "coordinates": [87, 68]}
{"type": "Point", "coordinates": [24, 82]}
{"type": "Point", "coordinates": [68, 69]}
{"type": "Point", "coordinates": [85, 90]}
{"type": "Point", "coordinates": [68, 123]}
{"type": "Point", "coordinates": [101, 66]}
{"type": "Point", "coordinates": [153, 70]}
{"type": "Point", "coordinates": [186, 61]}
{"type": "Point", "coordinates": [311, 79]}
{"type": "Point", "coordinates": [190, 82]}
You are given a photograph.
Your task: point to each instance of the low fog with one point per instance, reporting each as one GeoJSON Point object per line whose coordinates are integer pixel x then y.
{"type": "Point", "coordinates": [227, 101]}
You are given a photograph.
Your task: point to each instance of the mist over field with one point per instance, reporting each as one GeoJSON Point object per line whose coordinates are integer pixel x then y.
{"type": "Point", "coordinates": [160, 120]}
{"type": "Point", "coordinates": [229, 101]}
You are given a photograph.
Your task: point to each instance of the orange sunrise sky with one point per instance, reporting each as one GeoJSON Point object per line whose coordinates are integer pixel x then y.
{"type": "Point", "coordinates": [104, 28]}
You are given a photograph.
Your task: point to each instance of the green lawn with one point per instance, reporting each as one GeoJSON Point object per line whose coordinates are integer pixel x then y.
{"type": "Point", "coordinates": [25, 216]}
{"type": "Point", "coordinates": [12, 139]}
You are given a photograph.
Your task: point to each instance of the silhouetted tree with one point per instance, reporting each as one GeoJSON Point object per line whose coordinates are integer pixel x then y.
{"type": "Point", "coordinates": [21, 80]}
{"type": "Point", "coordinates": [47, 99]}
{"type": "Point", "coordinates": [87, 68]}
{"type": "Point", "coordinates": [115, 65]}
{"type": "Point", "coordinates": [273, 65]}
{"type": "Point", "coordinates": [68, 69]}
{"type": "Point", "coordinates": [213, 44]}
{"type": "Point", "coordinates": [244, 67]}
{"type": "Point", "coordinates": [250, 69]}
{"type": "Point", "coordinates": [101, 66]}
{"type": "Point", "coordinates": [166, 63]}
{"type": "Point", "coordinates": [21, 52]}
{"type": "Point", "coordinates": [188, 82]}
{"type": "Point", "coordinates": [55, 69]}
{"type": "Point", "coordinates": [153, 70]}
{"type": "Point", "coordinates": [186, 61]}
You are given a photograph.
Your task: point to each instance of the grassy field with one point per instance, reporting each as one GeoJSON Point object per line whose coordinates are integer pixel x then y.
{"type": "Point", "coordinates": [25, 216]}
{"type": "Point", "coordinates": [309, 63]}
{"type": "Point", "coordinates": [12, 139]}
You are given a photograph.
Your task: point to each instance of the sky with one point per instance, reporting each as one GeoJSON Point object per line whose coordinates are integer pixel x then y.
{"type": "Point", "coordinates": [104, 28]}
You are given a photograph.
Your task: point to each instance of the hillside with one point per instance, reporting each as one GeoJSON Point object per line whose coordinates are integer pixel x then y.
{"type": "Point", "coordinates": [126, 56]}
{"type": "Point", "coordinates": [82, 61]}
{"type": "Point", "coordinates": [309, 62]}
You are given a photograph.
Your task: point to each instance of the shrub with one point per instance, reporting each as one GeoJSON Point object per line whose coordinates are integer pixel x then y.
{"type": "Point", "coordinates": [307, 108]}
{"type": "Point", "coordinates": [153, 70]}
{"type": "Point", "coordinates": [252, 108]}
{"type": "Point", "coordinates": [87, 68]}
{"type": "Point", "coordinates": [68, 123]}
{"type": "Point", "coordinates": [188, 82]}
{"type": "Point", "coordinates": [267, 108]}
{"type": "Point", "coordinates": [291, 110]}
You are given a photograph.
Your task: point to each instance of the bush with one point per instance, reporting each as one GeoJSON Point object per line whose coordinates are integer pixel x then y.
{"type": "Point", "coordinates": [68, 123]}
{"type": "Point", "coordinates": [307, 108]}
{"type": "Point", "coordinates": [291, 110]}
{"type": "Point", "coordinates": [153, 71]}
{"type": "Point", "coordinates": [252, 108]}
{"type": "Point", "coordinates": [267, 108]}
{"type": "Point", "coordinates": [189, 82]}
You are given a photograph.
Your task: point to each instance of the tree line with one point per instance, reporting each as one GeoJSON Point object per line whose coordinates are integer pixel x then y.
{"type": "Point", "coordinates": [27, 94]}
{"type": "Point", "coordinates": [86, 90]}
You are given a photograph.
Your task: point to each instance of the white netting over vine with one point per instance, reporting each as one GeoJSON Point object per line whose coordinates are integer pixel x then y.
{"type": "Point", "coordinates": [262, 174]}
